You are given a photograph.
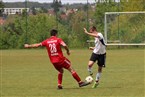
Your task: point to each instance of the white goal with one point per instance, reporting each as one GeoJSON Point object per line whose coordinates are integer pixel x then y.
{"type": "Point", "coordinates": [124, 28]}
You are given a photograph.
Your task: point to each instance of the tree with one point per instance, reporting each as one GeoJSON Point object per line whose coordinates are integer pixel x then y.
{"type": "Point", "coordinates": [131, 26]}
{"type": "Point", "coordinates": [133, 5]}
{"type": "Point", "coordinates": [1, 8]}
{"type": "Point", "coordinates": [56, 5]}
{"type": "Point", "coordinates": [101, 8]}
{"type": "Point", "coordinates": [34, 12]}
{"type": "Point", "coordinates": [43, 10]}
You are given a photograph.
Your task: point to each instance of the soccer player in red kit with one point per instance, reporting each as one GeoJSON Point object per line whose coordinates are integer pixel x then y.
{"type": "Point", "coordinates": [60, 62]}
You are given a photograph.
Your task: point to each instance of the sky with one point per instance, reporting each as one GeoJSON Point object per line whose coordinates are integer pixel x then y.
{"type": "Point", "coordinates": [63, 1]}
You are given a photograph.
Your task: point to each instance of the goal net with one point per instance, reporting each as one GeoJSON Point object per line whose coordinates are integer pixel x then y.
{"type": "Point", "coordinates": [124, 28]}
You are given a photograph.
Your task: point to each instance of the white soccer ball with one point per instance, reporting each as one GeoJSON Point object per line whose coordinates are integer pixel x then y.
{"type": "Point", "coordinates": [89, 79]}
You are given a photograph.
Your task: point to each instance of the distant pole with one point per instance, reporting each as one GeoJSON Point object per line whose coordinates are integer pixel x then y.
{"type": "Point", "coordinates": [105, 28]}
{"type": "Point", "coordinates": [87, 15]}
{"type": "Point", "coordinates": [56, 20]}
{"type": "Point", "coordinates": [118, 22]}
{"type": "Point", "coordinates": [26, 39]}
{"type": "Point", "coordinates": [56, 9]}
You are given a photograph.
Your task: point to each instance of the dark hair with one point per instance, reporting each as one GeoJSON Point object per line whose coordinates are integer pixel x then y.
{"type": "Point", "coordinates": [53, 32]}
{"type": "Point", "coordinates": [94, 28]}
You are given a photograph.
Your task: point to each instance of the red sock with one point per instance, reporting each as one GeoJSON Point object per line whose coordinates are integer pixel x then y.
{"type": "Point", "coordinates": [76, 77]}
{"type": "Point", "coordinates": [60, 75]}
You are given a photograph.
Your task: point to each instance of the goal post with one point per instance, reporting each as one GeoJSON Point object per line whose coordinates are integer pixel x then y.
{"type": "Point", "coordinates": [116, 25]}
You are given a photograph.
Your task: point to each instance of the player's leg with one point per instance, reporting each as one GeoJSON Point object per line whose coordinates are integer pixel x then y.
{"type": "Point", "coordinates": [101, 64]}
{"type": "Point", "coordinates": [98, 75]}
{"type": "Point", "coordinates": [74, 74]}
{"type": "Point", "coordinates": [77, 78]}
{"type": "Point", "coordinates": [93, 59]}
{"type": "Point", "coordinates": [90, 64]}
{"type": "Point", "coordinates": [67, 65]}
{"type": "Point", "coordinates": [60, 76]}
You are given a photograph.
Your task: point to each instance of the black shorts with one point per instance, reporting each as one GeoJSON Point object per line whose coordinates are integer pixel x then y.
{"type": "Point", "coordinates": [101, 58]}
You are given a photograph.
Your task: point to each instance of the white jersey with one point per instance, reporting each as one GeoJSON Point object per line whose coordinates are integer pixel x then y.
{"type": "Point", "coordinates": [100, 47]}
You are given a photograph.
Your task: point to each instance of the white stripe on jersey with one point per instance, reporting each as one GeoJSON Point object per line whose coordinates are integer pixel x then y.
{"type": "Point", "coordinates": [63, 44]}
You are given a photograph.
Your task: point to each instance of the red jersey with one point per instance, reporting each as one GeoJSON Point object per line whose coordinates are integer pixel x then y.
{"type": "Point", "coordinates": [53, 45]}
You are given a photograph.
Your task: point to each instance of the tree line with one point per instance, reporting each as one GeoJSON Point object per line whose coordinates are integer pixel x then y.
{"type": "Point", "coordinates": [21, 29]}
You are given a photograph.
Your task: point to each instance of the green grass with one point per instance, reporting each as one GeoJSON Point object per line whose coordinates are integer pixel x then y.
{"type": "Point", "coordinates": [29, 73]}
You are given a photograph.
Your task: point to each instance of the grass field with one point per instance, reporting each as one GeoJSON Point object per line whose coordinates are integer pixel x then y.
{"type": "Point", "coordinates": [29, 73]}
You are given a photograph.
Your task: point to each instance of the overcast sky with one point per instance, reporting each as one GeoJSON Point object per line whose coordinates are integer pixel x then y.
{"type": "Point", "coordinates": [63, 1]}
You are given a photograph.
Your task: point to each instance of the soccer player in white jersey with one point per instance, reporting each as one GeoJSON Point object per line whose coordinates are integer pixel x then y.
{"type": "Point", "coordinates": [98, 54]}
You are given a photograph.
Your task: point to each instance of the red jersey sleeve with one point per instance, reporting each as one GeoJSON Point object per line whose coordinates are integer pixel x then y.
{"type": "Point", "coordinates": [62, 42]}
{"type": "Point", "coordinates": [43, 43]}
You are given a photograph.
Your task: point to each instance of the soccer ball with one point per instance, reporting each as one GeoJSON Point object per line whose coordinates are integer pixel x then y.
{"type": "Point", "coordinates": [89, 79]}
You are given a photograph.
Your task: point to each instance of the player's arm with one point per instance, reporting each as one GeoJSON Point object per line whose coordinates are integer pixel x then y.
{"type": "Point", "coordinates": [65, 47]}
{"type": "Point", "coordinates": [91, 34]}
{"type": "Point", "coordinates": [91, 48]}
{"type": "Point", "coordinates": [32, 45]}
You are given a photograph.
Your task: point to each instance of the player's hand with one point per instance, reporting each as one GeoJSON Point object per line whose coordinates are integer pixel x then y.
{"type": "Point", "coordinates": [68, 53]}
{"type": "Point", "coordinates": [26, 45]}
{"type": "Point", "coordinates": [85, 30]}
{"type": "Point", "coordinates": [91, 48]}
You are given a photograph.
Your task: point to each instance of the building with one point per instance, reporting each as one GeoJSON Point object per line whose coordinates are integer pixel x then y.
{"type": "Point", "coordinates": [10, 11]}
{"type": "Point", "coordinates": [101, 1]}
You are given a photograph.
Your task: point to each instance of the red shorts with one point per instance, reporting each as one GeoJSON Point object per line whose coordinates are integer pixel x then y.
{"type": "Point", "coordinates": [65, 64]}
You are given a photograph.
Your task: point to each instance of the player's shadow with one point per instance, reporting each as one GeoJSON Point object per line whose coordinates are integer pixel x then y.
{"type": "Point", "coordinates": [91, 87]}
{"type": "Point", "coordinates": [109, 87]}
